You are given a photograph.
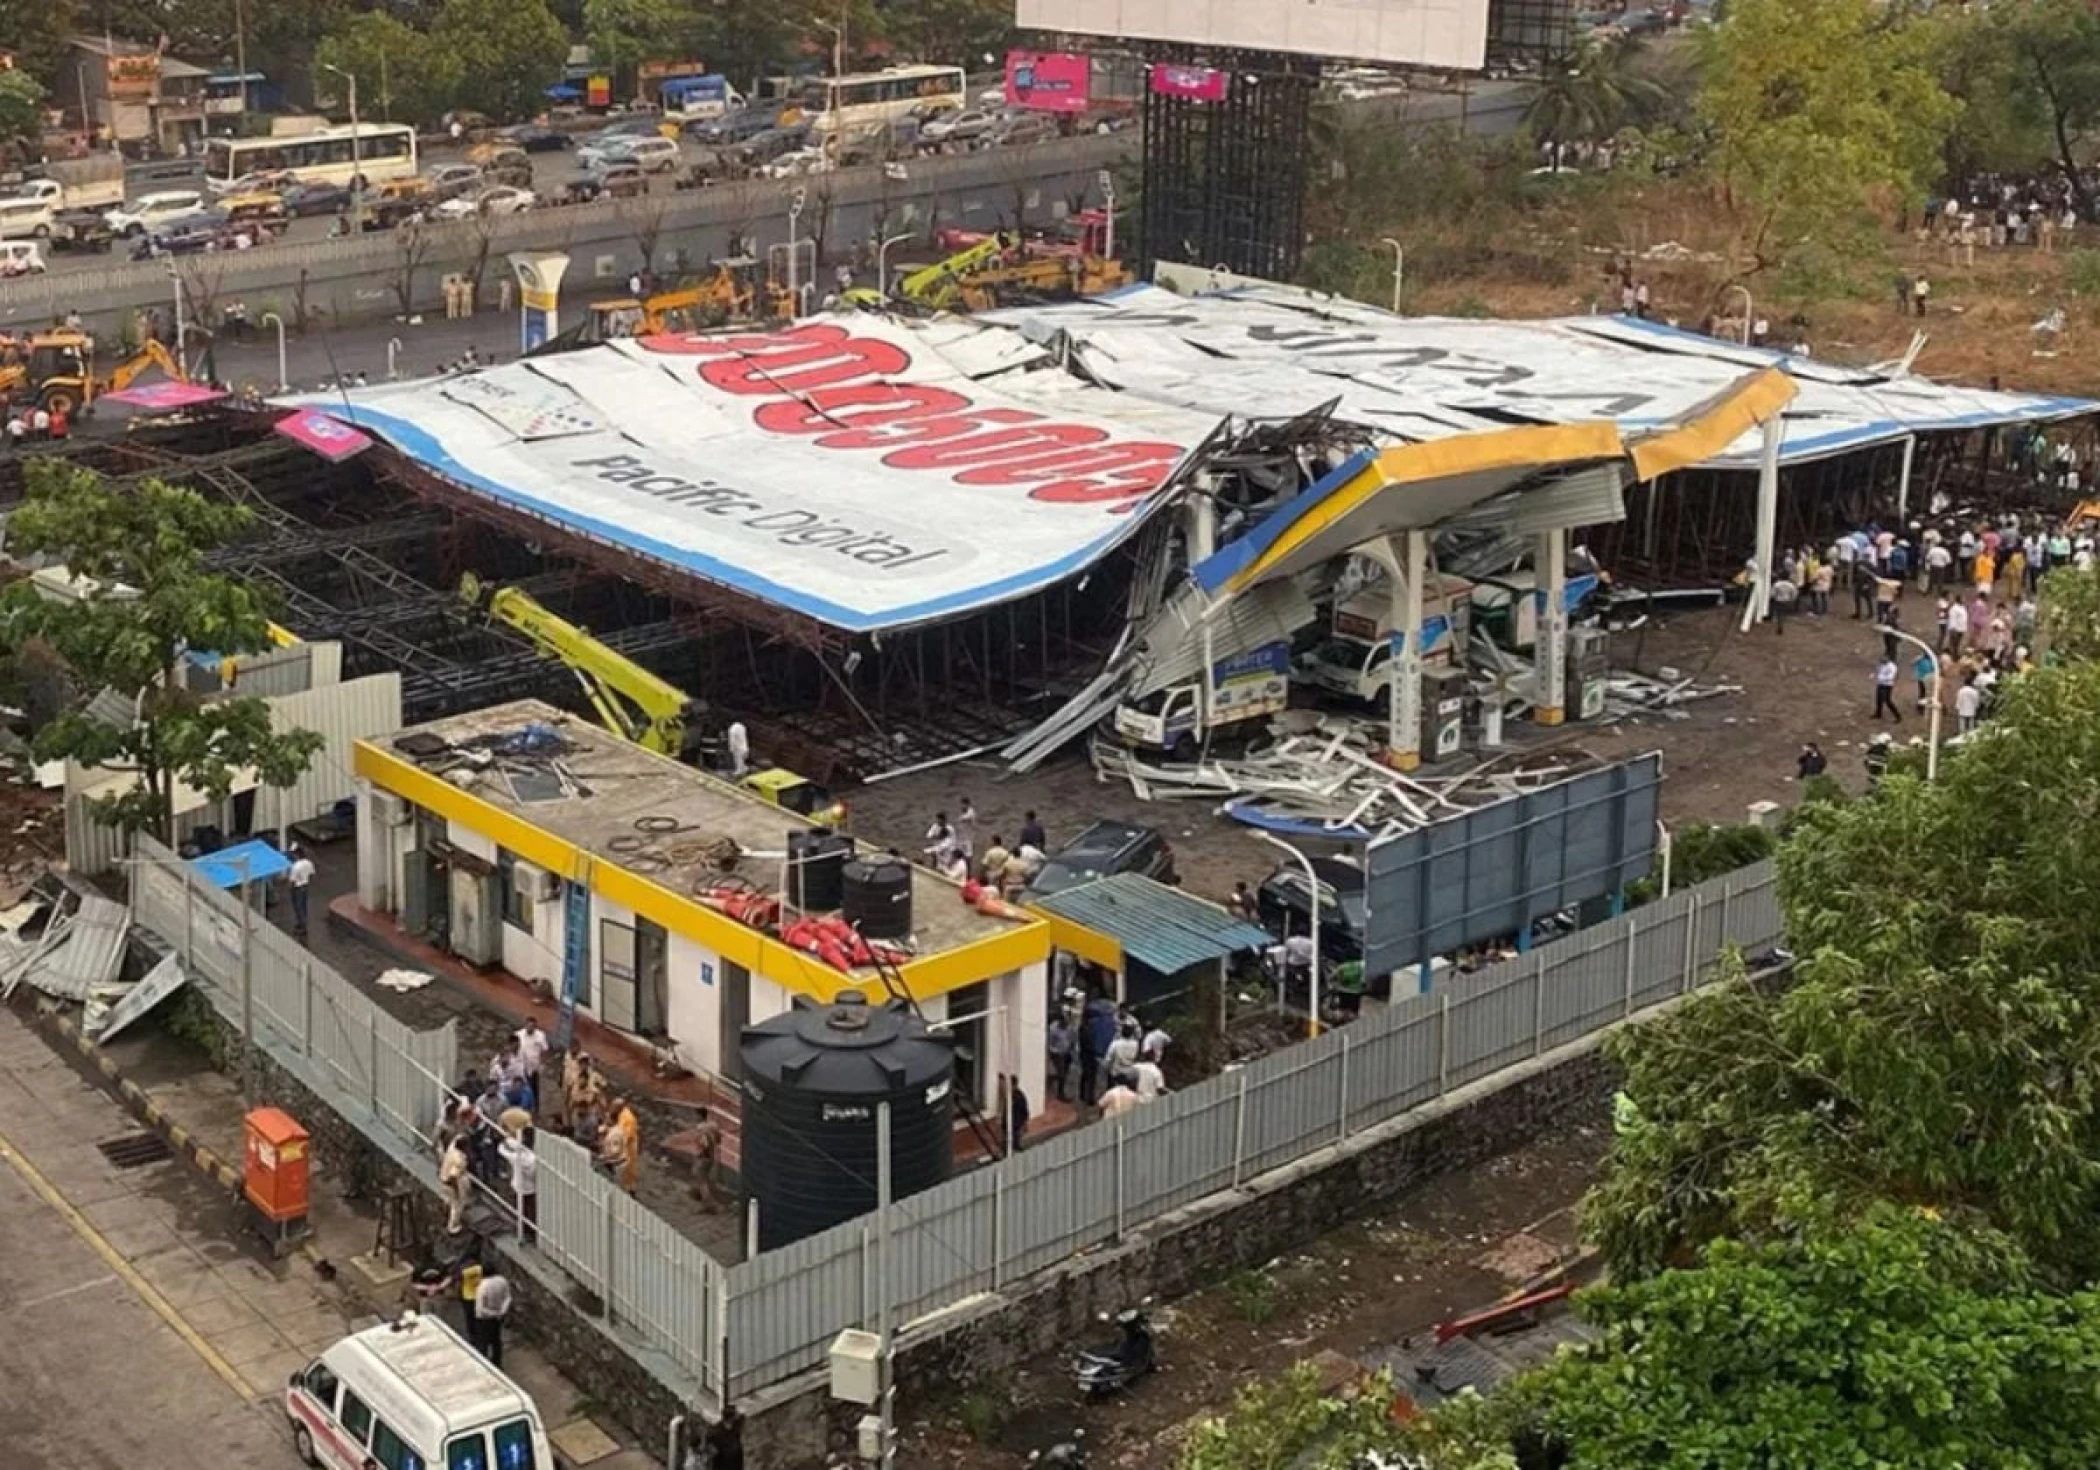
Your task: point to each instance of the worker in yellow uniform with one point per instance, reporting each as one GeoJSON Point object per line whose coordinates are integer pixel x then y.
{"type": "Point", "coordinates": [621, 1147]}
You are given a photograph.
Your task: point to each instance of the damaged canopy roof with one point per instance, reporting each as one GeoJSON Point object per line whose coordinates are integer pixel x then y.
{"type": "Point", "coordinates": [1423, 378]}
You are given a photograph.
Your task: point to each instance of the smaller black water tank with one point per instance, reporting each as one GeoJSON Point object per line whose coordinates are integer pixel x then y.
{"type": "Point", "coordinates": [816, 867]}
{"type": "Point", "coordinates": [877, 897]}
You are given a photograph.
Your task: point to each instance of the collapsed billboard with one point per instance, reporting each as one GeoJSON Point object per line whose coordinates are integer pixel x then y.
{"type": "Point", "coordinates": [853, 473]}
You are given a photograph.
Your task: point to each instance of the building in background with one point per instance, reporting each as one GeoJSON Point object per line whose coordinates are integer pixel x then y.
{"type": "Point", "coordinates": [132, 93]}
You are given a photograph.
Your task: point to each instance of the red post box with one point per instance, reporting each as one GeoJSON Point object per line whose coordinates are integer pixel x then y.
{"type": "Point", "coordinates": [275, 1154]}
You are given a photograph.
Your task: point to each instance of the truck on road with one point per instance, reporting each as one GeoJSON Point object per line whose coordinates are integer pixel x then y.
{"type": "Point", "coordinates": [1356, 659]}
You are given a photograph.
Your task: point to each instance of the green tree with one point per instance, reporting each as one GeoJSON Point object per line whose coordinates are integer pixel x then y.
{"type": "Point", "coordinates": [2048, 77]}
{"type": "Point", "coordinates": [2069, 614]}
{"type": "Point", "coordinates": [1939, 1042]}
{"type": "Point", "coordinates": [1823, 111]}
{"type": "Point", "coordinates": [35, 34]}
{"type": "Point", "coordinates": [624, 33]}
{"type": "Point", "coordinates": [1898, 1340]}
{"type": "Point", "coordinates": [508, 51]}
{"type": "Point", "coordinates": [961, 32]}
{"type": "Point", "coordinates": [400, 72]}
{"type": "Point", "coordinates": [21, 110]}
{"type": "Point", "coordinates": [1275, 1423]}
{"type": "Point", "coordinates": [1587, 97]}
{"type": "Point", "coordinates": [141, 549]}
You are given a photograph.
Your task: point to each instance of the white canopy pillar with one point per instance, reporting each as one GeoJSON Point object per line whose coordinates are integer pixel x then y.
{"type": "Point", "coordinates": [1550, 648]}
{"type": "Point", "coordinates": [1406, 558]}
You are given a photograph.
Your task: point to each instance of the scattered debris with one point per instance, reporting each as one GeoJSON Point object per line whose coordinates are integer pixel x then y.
{"type": "Point", "coordinates": [162, 981]}
{"type": "Point", "coordinates": [403, 981]}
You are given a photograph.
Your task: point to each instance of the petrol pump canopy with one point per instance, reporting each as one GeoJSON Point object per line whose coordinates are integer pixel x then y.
{"type": "Point", "coordinates": [1417, 379]}
{"type": "Point", "coordinates": [865, 473]}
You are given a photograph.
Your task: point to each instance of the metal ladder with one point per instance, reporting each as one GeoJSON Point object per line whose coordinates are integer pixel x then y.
{"type": "Point", "coordinates": [980, 1125]}
{"type": "Point", "coordinates": [575, 955]}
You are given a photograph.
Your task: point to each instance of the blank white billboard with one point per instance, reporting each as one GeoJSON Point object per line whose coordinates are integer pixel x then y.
{"type": "Point", "coordinates": [1436, 33]}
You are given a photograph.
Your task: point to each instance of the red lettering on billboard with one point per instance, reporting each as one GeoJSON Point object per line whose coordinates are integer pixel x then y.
{"type": "Point", "coordinates": [836, 387]}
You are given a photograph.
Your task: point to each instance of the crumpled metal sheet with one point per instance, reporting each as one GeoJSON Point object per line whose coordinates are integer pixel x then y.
{"type": "Point", "coordinates": [91, 955]}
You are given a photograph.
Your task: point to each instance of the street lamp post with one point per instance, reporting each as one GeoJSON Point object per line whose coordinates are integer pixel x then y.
{"type": "Point", "coordinates": [882, 264]}
{"type": "Point", "coordinates": [1399, 268]}
{"type": "Point", "coordinates": [284, 383]}
{"type": "Point", "coordinates": [1312, 892]}
{"type": "Point", "coordinates": [181, 325]}
{"type": "Point", "coordinates": [1932, 720]}
{"type": "Point", "coordinates": [357, 162]}
{"type": "Point", "coordinates": [1108, 214]}
{"type": "Point", "coordinates": [795, 202]}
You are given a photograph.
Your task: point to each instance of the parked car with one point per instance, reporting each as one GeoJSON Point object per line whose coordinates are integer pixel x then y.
{"type": "Point", "coordinates": [81, 229]}
{"type": "Point", "coordinates": [451, 180]}
{"type": "Point", "coordinates": [503, 199]}
{"type": "Point", "coordinates": [653, 155]}
{"type": "Point", "coordinates": [150, 211]}
{"type": "Point", "coordinates": [599, 151]}
{"type": "Point", "coordinates": [958, 127]}
{"type": "Point", "coordinates": [1104, 849]}
{"type": "Point", "coordinates": [795, 164]}
{"type": "Point", "coordinates": [535, 138]}
{"type": "Point", "coordinates": [1283, 903]}
{"type": "Point", "coordinates": [302, 201]}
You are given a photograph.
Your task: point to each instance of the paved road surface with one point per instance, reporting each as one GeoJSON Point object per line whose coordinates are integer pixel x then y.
{"type": "Point", "coordinates": [101, 1368]}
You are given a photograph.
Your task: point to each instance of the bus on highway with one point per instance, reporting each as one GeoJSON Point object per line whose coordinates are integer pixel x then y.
{"type": "Point", "coordinates": [855, 107]}
{"type": "Point", "coordinates": [382, 151]}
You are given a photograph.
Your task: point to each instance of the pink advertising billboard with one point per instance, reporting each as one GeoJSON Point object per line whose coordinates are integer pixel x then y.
{"type": "Point", "coordinates": [332, 439]}
{"type": "Point", "coordinates": [1048, 81]}
{"type": "Point", "coordinates": [1198, 83]}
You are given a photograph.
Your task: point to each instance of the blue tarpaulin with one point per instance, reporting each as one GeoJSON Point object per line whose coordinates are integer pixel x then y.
{"type": "Point", "coordinates": [245, 862]}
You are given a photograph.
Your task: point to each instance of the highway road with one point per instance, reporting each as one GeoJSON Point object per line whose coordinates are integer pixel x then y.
{"type": "Point", "coordinates": [1488, 109]}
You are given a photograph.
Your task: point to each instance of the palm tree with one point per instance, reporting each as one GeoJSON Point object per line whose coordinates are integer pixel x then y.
{"type": "Point", "coordinates": [1588, 96]}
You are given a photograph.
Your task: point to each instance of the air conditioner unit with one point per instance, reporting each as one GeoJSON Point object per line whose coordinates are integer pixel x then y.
{"type": "Point", "coordinates": [535, 882]}
{"type": "Point", "coordinates": [392, 810]}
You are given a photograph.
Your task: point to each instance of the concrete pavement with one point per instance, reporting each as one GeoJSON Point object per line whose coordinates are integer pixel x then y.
{"type": "Point", "coordinates": [138, 1332]}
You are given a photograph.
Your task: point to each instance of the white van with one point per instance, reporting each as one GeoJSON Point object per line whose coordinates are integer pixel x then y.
{"type": "Point", "coordinates": [25, 217]}
{"type": "Point", "coordinates": [20, 258]}
{"type": "Point", "coordinates": [651, 155]}
{"type": "Point", "coordinates": [412, 1395]}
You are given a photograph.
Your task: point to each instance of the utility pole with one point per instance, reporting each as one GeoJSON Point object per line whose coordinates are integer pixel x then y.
{"type": "Point", "coordinates": [888, 1350]}
{"type": "Point", "coordinates": [240, 50]}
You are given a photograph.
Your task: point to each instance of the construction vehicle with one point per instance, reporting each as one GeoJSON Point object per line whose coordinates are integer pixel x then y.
{"type": "Point", "coordinates": [1049, 276]}
{"type": "Point", "coordinates": [57, 369]}
{"type": "Point", "coordinates": [729, 295]}
{"type": "Point", "coordinates": [635, 704]}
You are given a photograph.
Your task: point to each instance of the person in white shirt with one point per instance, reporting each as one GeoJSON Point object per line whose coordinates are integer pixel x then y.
{"type": "Point", "coordinates": [1154, 1047]}
{"type": "Point", "coordinates": [1149, 1081]}
{"type": "Point", "coordinates": [739, 742]}
{"type": "Point", "coordinates": [1122, 1058]}
{"type": "Point", "coordinates": [1968, 704]}
{"type": "Point", "coordinates": [532, 1052]}
{"type": "Point", "coordinates": [524, 1167]}
{"type": "Point", "coordinates": [40, 423]}
{"type": "Point", "coordinates": [491, 1306]}
{"type": "Point", "coordinates": [1957, 627]}
{"type": "Point", "coordinates": [299, 879]}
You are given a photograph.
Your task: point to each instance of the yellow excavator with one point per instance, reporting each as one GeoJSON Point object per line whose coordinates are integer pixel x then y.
{"type": "Point", "coordinates": [731, 294]}
{"type": "Point", "coordinates": [635, 704]}
{"type": "Point", "coordinates": [57, 368]}
{"type": "Point", "coordinates": [991, 271]}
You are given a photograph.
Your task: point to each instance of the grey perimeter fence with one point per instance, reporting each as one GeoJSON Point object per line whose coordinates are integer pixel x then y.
{"type": "Point", "coordinates": [729, 1331]}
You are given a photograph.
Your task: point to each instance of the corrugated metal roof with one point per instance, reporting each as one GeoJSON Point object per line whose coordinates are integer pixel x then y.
{"type": "Point", "coordinates": [1158, 926]}
{"type": "Point", "coordinates": [91, 954]}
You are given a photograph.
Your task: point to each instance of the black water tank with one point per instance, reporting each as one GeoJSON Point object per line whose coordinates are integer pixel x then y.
{"type": "Point", "coordinates": [816, 864]}
{"type": "Point", "coordinates": [812, 1080]}
{"type": "Point", "coordinates": [877, 897]}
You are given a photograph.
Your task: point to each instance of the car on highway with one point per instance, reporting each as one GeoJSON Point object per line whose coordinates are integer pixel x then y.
{"type": "Point", "coordinates": [1103, 849]}
{"type": "Point", "coordinates": [450, 180]}
{"type": "Point", "coordinates": [617, 179]}
{"type": "Point", "coordinates": [190, 234]}
{"type": "Point", "coordinates": [151, 211]}
{"type": "Point", "coordinates": [653, 155]}
{"type": "Point", "coordinates": [958, 127]}
{"type": "Point", "coordinates": [81, 230]}
{"type": "Point", "coordinates": [599, 150]}
{"type": "Point", "coordinates": [1017, 128]}
{"type": "Point", "coordinates": [21, 258]}
{"type": "Point", "coordinates": [641, 125]}
{"type": "Point", "coordinates": [26, 217]}
{"type": "Point", "coordinates": [796, 163]}
{"type": "Point", "coordinates": [769, 145]}
{"type": "Point", "coordinates": [737, 127]}
{"type": "Point", "coordinates": [503, 199]}
{"type": "Point", "coordinates": [302, 201]}
{"type": "Point", "coordinates": [535, 138]}
{"type": "Point", "coordinates": [262, 180]}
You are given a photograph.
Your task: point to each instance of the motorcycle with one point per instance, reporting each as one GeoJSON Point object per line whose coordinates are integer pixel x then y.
{"type": "Point", "coordinates": [1114, 1368]}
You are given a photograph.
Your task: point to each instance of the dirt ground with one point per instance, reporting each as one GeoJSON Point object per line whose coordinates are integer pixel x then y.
{"type": "Point", "coordinates": [1457, 1244]}
{"type": "Point", "coordinates": [1814, 682]}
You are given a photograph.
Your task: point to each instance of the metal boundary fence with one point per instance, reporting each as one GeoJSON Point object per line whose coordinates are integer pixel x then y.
{"type": "Point", "coordinates": [1086, 1188]}
{"type": "Point", "coordinates": [729, 1331]}
{"type": "Point", "coordinates": [376, 1071]}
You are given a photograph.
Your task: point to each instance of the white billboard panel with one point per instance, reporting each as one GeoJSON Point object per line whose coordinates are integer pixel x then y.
{"type": "Point", "coordinates": [1437, 33]}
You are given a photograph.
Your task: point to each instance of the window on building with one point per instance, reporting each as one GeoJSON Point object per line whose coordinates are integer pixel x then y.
{"type": "Point", "coordinates": [517, 900]}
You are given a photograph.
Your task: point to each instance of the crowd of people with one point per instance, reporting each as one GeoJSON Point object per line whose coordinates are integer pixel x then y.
{"type": "Point", "coordinates": [1118, 1058]}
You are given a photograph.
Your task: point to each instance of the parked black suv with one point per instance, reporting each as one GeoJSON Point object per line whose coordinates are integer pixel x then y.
{"type": "Point", "coordinates": [1285, 908]}
{"type": "Point", "coordinates": [1103, 849]}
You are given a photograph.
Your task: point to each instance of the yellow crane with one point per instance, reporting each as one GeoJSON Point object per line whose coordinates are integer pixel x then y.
{"type": "Point", "coordinates": [635, 704]}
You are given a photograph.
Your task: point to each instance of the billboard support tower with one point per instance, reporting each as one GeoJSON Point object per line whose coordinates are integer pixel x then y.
{"type": "Point", "coordinates": [1227, 142]}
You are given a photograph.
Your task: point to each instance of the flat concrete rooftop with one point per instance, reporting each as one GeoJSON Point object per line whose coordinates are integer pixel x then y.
{"type": "Point", "coordinates": [647, 814]}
